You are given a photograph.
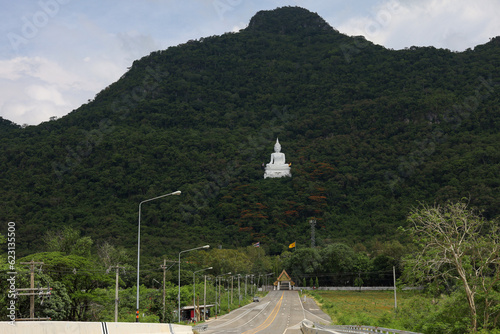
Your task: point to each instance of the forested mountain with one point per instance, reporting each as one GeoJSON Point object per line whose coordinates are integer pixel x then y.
{"type": "Point", "coordinates": [369, 131]}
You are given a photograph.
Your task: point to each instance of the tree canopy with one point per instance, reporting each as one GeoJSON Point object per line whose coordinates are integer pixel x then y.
{"type": "Point", "coordinates": [458, 246]}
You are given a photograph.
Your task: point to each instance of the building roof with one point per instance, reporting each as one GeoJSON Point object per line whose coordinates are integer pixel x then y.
{"type": "Point", "coordinates": [284, 277]}
{"type": "Point", "coordinates": [190, 307]}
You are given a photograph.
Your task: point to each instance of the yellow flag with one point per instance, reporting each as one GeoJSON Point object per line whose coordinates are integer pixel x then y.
{"type": "Point", "coordinates": [292, 245]}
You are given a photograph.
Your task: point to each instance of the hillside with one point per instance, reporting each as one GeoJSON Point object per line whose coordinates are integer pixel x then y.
{"type": "Point", "coordinates": [369, 132]}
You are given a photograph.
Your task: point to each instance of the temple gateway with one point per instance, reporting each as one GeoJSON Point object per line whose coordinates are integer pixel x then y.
{"type": "Point", "coordinates": [277, 167]}
{"type": "Point", "coordinates": [284, 282]}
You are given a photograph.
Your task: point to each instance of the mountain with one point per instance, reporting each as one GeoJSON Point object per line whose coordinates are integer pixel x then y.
{"type": "Point", "coordinates": [370, 133]}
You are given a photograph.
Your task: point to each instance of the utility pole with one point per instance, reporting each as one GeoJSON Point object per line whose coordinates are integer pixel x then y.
{"type": "Point", "coordinates": [312, 222]}
{"type": "Point", "coordinates": [116, 290]}
{"type": "Point", "coordinates": [205, 299]}
{"type": "Point", "coordinates": [232, 289]}
{"type": "Point", "coordinates": [164, 267]}
{"type": "Point", "coordinates": [239, 293]}
{"type": "Point", "coordinates": [197, 315]}
{"type": "Point", "coordinates": [32, 286]}
{"type": "Point", "coordinates": [395, 297]}
{"type": "Point", "coordinates": [31, 291]}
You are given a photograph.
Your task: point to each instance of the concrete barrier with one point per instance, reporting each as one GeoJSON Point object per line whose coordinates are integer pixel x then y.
{"type": "Point", "coordinates": [72, 327]}
{"type": "Point", "coordinates": [308, 327]}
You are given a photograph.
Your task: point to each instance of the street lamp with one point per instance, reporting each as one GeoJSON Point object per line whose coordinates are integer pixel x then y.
{"type": "Point", "coordinates": [194, 289]}
{"type": "Point", "coordinates": [178, 192]}
{"type": "Point", "coordinates": [179, 295]}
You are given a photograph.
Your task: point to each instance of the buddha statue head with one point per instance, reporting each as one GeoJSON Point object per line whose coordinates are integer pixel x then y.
{"type": "Point", "coordinates": [277, 146]}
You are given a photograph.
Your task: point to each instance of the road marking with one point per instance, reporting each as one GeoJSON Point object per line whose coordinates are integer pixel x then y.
{"type": "Point", "coordinates": [260, 307]}
{"type": "Point", "coordinates": [267, 323]}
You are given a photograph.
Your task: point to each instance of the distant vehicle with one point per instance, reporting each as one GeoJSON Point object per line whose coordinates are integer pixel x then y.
{"type": "Point", "coordinates": [256, 299]}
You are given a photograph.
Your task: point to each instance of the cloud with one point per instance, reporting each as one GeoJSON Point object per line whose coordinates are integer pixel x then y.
{"type": "Point", "coordinates": [452, 24]}
{"type": "Point", "coordinates": [33, 89]}
{"type": "Point", "coordinates": [34, 67]}
{"type": "Point", "coordinates": [45, 93]}
{"type": "Point", "coordinates": [72, 65]}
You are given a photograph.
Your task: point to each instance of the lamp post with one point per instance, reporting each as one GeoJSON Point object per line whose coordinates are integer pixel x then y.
{"type": "Point", "coordinates": [178, 192]}
{"type": "Point", "coordinates": [179, 295]}
{"type": "Point", "coordinates": [194, 289]}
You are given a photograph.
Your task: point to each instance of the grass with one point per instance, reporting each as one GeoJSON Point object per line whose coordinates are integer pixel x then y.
{"type": "Point", "coordinates": [374, 308]}
{"type": "Point", "coordinates": [417, 311]}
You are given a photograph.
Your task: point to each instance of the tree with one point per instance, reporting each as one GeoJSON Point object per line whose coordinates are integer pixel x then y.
{"type": "Point", "coordinates": [303, 262]}
{"type": "Point", "coordinates": [68, 241]}
{"type": "Point", "coordinates": [111, 255]}
{"type": "Point", "coordinates": [78, 279]}
{"type": "Point", "coordinates": [455, 243]}
{"type": "Point", "coordinates": [337, 260]}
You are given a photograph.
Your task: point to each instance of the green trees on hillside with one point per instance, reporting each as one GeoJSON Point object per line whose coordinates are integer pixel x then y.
{"type": "Point", "coordinates": [363, 137]}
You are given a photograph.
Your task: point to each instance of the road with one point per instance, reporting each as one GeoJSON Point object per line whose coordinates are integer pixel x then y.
{"type": "Point", "coordinates": [280, 312]}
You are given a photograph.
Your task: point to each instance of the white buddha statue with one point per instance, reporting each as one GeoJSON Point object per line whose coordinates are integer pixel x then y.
{"type": "Point", "coordinates": [277, 167]}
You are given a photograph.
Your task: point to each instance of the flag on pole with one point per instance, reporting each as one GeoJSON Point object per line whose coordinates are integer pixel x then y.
{"type": "Point", "coordinates": [257, 244]}
{"type": "Point", "coordinates": [292, 245]}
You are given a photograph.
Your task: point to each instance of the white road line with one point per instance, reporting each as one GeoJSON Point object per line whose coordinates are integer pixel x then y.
{"type": "Point", "coordinates": [263, 307]}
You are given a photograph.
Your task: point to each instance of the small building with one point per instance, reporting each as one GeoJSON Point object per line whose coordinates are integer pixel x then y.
{"type": "Point", "coordinates": [187, 312]}
{"type": "Point", "coordinates": [284, 282]}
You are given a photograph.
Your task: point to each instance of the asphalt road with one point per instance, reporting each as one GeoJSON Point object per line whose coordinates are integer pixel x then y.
{"type": "Point", "coordinates": [280, 312]}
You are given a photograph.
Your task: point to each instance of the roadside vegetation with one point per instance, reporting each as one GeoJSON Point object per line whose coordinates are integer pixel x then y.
{"type": "Point", "coordinates": [455, 257]}
{"type": "Point", "coordinates": [417, 311]}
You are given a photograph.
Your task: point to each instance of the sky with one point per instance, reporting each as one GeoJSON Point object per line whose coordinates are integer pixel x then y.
{"type": "Point", "coordinates": [55, 55]}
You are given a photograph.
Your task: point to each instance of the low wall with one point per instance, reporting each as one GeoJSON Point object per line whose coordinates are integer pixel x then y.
{"type": "Point", "coordinates": [72, 327]}
{"type": "Point", "coordinates": [353, 288]}
{"type": "Point", "coordinates": [348, 288]}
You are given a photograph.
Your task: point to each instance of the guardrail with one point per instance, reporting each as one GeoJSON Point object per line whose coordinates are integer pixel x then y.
{"type": "Point", "coordinates": [315, 328]}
